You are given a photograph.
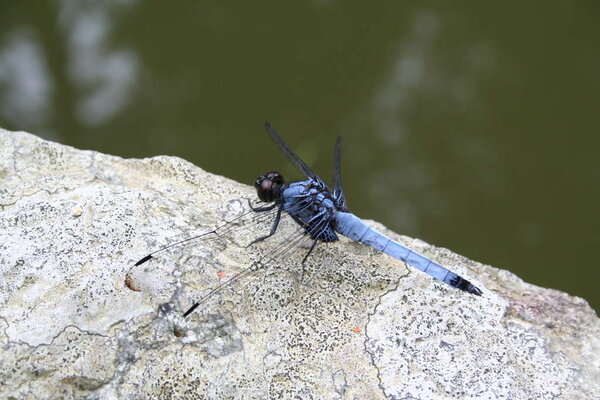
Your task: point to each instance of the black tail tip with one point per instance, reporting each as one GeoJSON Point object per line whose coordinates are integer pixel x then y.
{"type": "Point", "coordinates": [190, 310]}
{"type": "Point", "coordinates": [465, 285]}
{"type": "Point", "coordinates": [268, 125]}
{"type": "Point", "coordinates": [474, 290]}
{"type": "Point", "coordinates": [143, 260]}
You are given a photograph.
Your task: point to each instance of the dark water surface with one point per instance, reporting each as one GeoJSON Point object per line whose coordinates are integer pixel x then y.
{"type": "Point", "coordinates": [472, 125]}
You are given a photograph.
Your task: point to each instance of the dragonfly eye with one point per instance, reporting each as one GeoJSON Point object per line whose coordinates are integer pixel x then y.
{"type": "Point", "coordinates": [268, 186]}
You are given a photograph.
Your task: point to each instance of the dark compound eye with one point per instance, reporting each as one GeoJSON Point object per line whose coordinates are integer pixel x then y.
{"type": "Point", "coordinates": [276, 177]}
{"type": "Point", "coordinates": [268, 186]}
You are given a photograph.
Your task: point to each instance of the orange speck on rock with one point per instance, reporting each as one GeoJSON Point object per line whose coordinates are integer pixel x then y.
{"type": "Point", "coordinates": [356, 329]}
{"type": "Point", "coordinates": [221, 274]}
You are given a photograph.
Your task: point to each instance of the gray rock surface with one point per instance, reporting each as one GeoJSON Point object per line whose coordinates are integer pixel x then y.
{"type": "Point", "coordinates": [360, 325]}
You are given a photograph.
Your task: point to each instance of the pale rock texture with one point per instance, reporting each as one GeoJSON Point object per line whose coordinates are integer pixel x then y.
{"type": "Point", "coordinates": [77, 321]}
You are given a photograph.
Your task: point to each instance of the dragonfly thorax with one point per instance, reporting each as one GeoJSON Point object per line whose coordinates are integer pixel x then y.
{"type": "Point", "coordinates": [311, 205]}
{"type": "Point", "coordinates": [269, 186]}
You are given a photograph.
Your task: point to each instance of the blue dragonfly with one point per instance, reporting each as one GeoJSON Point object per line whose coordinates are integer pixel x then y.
{"type": "Point", "coordinates": [321, 214]}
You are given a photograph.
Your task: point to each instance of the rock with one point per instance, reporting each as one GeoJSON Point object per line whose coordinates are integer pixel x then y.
{"type": "Point", "coordinates": [78, 320]}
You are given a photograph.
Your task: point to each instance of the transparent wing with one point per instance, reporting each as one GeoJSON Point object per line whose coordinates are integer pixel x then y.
{"type": "Point", "coordinates": [241, 231]}
{"type": "Point", "coordinates": [248, 222]}
{"type": "Point", "coordinates": [276, 255]}
{"type": "Point", "coordinates": [338, 191]}
{"type": "Point", "coordinates": [291, 243]}
{"type": "Point", "coordinates": [291, 156]}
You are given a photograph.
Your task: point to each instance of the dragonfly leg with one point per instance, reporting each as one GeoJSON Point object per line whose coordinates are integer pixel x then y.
{"type": "Point", "coordinates": [273, 227]}
{"type": "Point", "coordinates": [261, 209]}
{"type": "Point", "coordinates": [314, 244]}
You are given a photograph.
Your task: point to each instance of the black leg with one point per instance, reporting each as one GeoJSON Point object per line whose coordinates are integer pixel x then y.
{"type": "Point", "coordinates": [306, 258]}
{"type": "Point", "coordinates": [273, 228]}
{"type": "Point", "coordinates": [261, 209]}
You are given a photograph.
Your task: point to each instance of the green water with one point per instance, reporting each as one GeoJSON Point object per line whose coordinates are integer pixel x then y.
{"type": "Point", "coordinates": [472, 125]}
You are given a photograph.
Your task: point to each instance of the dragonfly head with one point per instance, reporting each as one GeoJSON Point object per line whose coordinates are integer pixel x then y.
{"type": "Point", "coordinates": [269, 186]}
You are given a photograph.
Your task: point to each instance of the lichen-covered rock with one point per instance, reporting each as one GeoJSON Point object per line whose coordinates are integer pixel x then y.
{"type": "Point", "coordinates": [78, 320]}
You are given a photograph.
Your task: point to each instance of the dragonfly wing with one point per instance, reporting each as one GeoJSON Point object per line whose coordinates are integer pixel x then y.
{"type": "Point", "coordinates": [338, 191]}
{"type": "Point", "coordinates": [291, 156]}
{"type": "Point", "coordinates": [277, 254]}
{"type": "Point", "coordinates": [241, 230]}
{"type": "Point", "coordinates": [244, 225]}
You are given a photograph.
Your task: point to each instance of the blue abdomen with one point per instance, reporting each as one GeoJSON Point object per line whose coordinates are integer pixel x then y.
{"type": "Point", "coordinates": [353, 227]}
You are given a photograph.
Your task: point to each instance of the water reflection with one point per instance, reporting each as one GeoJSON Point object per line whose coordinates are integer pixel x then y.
{"type": "Point", "coordinates": [393, 103]}
{"type": "Point", "coordinates": [103, 75]}
{"type": "Point", "coordinates": [409, 75]}
{"type": "Point", "coordinates": [27, 88]}
{"type": "Point", "coordinates": [99, 76]}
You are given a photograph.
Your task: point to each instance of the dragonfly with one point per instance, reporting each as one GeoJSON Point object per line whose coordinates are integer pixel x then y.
{"type": "Point", "coordinates": [321, 214]}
